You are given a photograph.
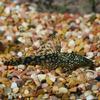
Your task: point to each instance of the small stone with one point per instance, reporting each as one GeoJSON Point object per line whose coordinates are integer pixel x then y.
{"type": "Point", "coordinates": [55, 89]}
{"type": "Point", "coordinates": [72, 97]}
{"type": "Point", "coordinates": [20, 54]}
{"type": "Point", "coordinates": [49, 81]}
{"type": "Point", "coordinates": [98, 85]}
{"type": "Point", "coordinates": [71, 43]}
{"type": "Point", "coordinates": [9, 38]}
{"type": "Point", "coordinates": [37, 44]}
{"type": "Point", "coordinates": [94, 88]}
{"type": "Point", "coordinates": [44, 85]}
{"type": "Point", "coordinates": [53, 98]}
{"type": "Point", "coordinates": [7, 90]}
{"type": "Point", "coordinates": [10, 97]}
{"type": "Point", "coordinates": [98, 69]}
{"type": "Point", "coordinates": [15, 90]}
{"type": "Point", "coordinates": [69, 50]}
{"type": "Point", "coordinates": [21, 67]}
{"type": "Point", "coordinates": [73, 89]}
{"type": "Point", "coordinates": [45, 96]}
{"type": "Point", "coordinates": [31, 98]}
{"type": "Point", "coordinates": [63, 90]}
{"type": "Point", "coordinates": [35, 78]}
{"type": "Point", "coordinates": [14, 85]}
{"type": "Point", "coordinates": [91, 36]}
{"type": "Point", "coordinates": [87, 93]}
{"type": "Point", "coordinates": [26, 91]}
{"type": "Point", "coordinates": [52, 78]}
{"type": "Point", "coordinates": [58, 71]}
{"type": "Point", "coordinates": [65, 97]}
{"type": "Point", "coordinates": [90, 97]}
{"type": "Point", "coordinates": [89, 55]}
{"type": "Point", "coordinates": [2, 85]}
{"type": "Point", "coordinates": [21, 39]}
{"type": "Point", "coordinates": [41, 77]}
{"type": "Point", "coordinates": [7, 10]}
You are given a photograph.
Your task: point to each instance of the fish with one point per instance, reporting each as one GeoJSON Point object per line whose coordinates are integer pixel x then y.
{"type": "Point", "coordinates": [67, 61]}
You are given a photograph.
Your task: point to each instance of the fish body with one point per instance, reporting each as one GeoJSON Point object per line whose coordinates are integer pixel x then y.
{"type": "Point", "coordinates": [67, 61]}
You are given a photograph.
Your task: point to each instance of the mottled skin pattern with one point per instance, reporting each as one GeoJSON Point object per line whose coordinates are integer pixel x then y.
{"type": "Point", "coordinates": [67, 61]}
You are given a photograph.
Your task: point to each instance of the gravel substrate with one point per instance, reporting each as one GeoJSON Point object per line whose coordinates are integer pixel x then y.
{"type": "Point", "coordinates": [24, 32]}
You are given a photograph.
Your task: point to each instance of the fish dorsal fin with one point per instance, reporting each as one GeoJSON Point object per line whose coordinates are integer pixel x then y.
{"type": "Point", "coordinates": [45, 48]}
{"type": "Point", "coordinates": [48, 47]}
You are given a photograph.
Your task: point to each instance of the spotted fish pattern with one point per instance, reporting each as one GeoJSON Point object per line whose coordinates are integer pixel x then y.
{"type": "Point", "coordinates": [67, 61]}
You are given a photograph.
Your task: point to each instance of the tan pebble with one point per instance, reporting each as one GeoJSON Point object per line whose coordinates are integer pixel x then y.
{"type": "Point", "coordinates": [15, 90]}
{"type": "Point", "coordinates": [49, 81]}
{"type": "Point", "coordinates": [10, 67]}
{"type": "Point", "coordinates": [73, 81]}
{"type": "Point", "coordinates": [26, 91]}
{"type": "Point", "coordinates": [62, 80]}
{"type": "Point", "coordinates": [72, 97]}
{"type": "Point", "coordinates": [55, 88]}
{"type": "Point", "coordinates": [58, 71]}
{"type": "Point", "coordinates": [82, 78]}
{"type": "Point", "coordinates": [1, 91]}
{"type": "Point", "coordinates": [98, 84]}
{"type": "Point", "coordinates": [31, 98]}
{"type": "Point", "coordinates": [65, 97]}
{"type": "Point", "coordinates": [40, 97]}
{"type": "Point", "coordinates": [74, 89]}
{"type": "Point", "coordinates": [41, 91]}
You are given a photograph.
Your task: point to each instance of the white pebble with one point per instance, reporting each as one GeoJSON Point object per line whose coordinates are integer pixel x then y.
{"type": "Point", "coordinates": [91, 36]}
{"type": "Point", "coordinates": [41, 77]}
{"type": "Point", "coordinates": [94, 88]}
{"type": "Point", "coordinates": [35, 78]}
{"type": "Point", "coordinates": [71, 43]}
{"type": "Point", "coordinates": [89, 55]}
{"type": "Point", "coordinates": [9, 38]}
{"type": "Point", "coordinates": [26, 49]}
{"type": "Point", "coordinates": [19, 54]}
{"type": "Point", "coordinates": [98, 69]}
{"type": "Point", "coordinates": [1, 62]}
{"type": "Point", "coordinates": [44, 85]}
{"type": "Point", "coordinates": [45, 96]}
{"type": "Point", "coordinates": [14, 85]}
{"type": "Point", "coordinates": [63, 90]}
{"type": "Point", "coordinates": [81, 86]}
{"type": "Point", "coordinates": [90, 75]}
{"type": "Point", "coordinates": [24, 24]}
{"type": "Point", "coordinates": [77, 21]}
{"type": "Point", "coordinates": [87, 30]}
{"type": "Point", "coordinates": [21, 39]}
{"type": "Point", "coordinates": [87, 93]}
{"type": "Point", "coordinates": [37, 44]}
{"type": "Point", "coordinates": [69, 50]}
{"type": "Point", "coordinates": [90, 97]}
{"type": "Point", "coordinates": [7, 10]}
{"type": "Point", "coordinates": [21, 67]}
{"type": "Point", "coordinates": [12, 53]}
{"type": "Point", "coordinates": [38, 28]}
{"type": "Point", "coordinates": [52, 78]}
